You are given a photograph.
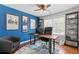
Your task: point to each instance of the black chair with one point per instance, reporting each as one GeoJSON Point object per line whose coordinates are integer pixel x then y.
{"type": "Point", "coordinates": [8, 44]}
{"type": "Point", "coordinates": [47, 31]}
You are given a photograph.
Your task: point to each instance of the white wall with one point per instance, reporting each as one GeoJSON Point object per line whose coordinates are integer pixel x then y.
{"type": "Point", "coordinates": [48, 23]}
{"type": "Point", "coordinates": [58, 22]}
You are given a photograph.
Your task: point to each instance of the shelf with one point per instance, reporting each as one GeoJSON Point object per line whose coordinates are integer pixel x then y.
{"type": "Point", "coordinates": [73, 29]}
{"type": "Point", "coordinates": [71, 43]}
{"type": "Point", "coordinates": [71, 40]}
{"type": "Point", "coordinates": [71, 24]}
{"type": "Point", "coordinates": [71, 18]}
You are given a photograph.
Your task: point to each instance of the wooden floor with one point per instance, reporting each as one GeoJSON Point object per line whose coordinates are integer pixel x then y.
{"type": "Point", "coordinates": [68, 50]}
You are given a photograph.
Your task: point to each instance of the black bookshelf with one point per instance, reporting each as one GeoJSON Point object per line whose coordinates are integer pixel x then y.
{"type": "Point", "coordinates": [41, 26]}
{"type": "Point", "coordinates": [71, 29]}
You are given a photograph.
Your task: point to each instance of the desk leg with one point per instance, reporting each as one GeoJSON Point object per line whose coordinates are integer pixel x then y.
{"type": "Point", "coordinates": [34, 40]}
{"type": "Point", "coordinates": [53, 46]}
{"type": "Point", "coordinates": [50, 46]}
{"type": "Point", "coordinates": [30, 39]}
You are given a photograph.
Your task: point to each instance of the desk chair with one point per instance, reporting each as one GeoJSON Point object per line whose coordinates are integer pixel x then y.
{"type": "Point", "coordinates": [47, 31]}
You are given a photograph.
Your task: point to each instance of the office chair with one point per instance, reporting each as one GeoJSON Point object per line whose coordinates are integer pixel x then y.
{"type": "Point", "coordinates": [47, 31]}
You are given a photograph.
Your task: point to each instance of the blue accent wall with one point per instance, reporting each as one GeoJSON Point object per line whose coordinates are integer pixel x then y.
{"type": "Point", "coordinates": [23, 35]}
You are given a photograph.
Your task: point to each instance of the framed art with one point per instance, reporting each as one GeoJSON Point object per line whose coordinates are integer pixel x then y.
{"type": "Point", "coordinates": [12, 22]}
{"type": "Point", "coordinates": [32, 24]}
{"type": "Point", "coordinates": [24, 24]}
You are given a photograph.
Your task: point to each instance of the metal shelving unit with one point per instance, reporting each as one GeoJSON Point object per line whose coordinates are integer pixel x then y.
{"type": "Point", "coordinates": [71, 29]}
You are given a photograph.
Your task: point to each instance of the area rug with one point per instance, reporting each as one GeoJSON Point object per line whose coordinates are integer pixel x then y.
{"type": "Point", "coordinates": [39, 47]}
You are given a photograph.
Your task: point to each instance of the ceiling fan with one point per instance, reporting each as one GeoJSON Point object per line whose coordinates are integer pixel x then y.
{"type": "Point", "coordinates": [42, 7]}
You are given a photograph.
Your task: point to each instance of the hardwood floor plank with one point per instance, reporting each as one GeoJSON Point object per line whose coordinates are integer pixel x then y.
{"type": "Point", "coordinates": [68, 50]}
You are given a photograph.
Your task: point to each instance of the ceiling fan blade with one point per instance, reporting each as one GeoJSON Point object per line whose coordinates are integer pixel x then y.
{"type": "Point", "coordinates": [28, 9]}
{"type": "Point", "coordinates": [37, 9]}
{"type": "Point", "coordinates": [38, 5]}
{"type": "Point", "coordinates": [48, 5]}
{"type": "Point", "coordinates": [41, 6]}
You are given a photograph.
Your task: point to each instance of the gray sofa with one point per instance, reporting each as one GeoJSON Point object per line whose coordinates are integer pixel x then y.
{"type": "Point", "coordinates": [8, 44]}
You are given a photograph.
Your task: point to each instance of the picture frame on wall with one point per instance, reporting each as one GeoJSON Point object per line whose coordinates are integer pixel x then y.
{"type": "Point", "coordinates": [24, 24]}
{"type": "Point", "coordinates": [12, 22]}
{"type": "Point", "coordinates": [32, 24]}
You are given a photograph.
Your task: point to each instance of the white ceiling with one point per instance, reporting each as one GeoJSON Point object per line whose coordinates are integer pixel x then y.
{"type": "Point", "coordinates": [29, 8]}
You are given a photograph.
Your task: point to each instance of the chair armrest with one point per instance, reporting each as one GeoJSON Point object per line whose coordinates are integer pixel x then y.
{"type": "Point", "coordinates": [6, 46]}
{"type": "Point", "coordinates": [13, 39]}
{"type": "Point", "coordinates": [5, 41]}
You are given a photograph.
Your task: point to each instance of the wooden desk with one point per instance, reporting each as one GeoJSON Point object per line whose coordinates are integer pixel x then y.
{"type": "Point", "coordinates": [50, 37]}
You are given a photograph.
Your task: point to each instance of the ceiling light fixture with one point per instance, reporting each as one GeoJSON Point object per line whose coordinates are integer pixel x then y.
{"type": "Point", "coordinates": [42, 7]}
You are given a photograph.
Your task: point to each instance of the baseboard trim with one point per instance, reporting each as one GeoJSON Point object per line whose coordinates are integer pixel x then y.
{"type": "Point", "coordinates": [23, 42]}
